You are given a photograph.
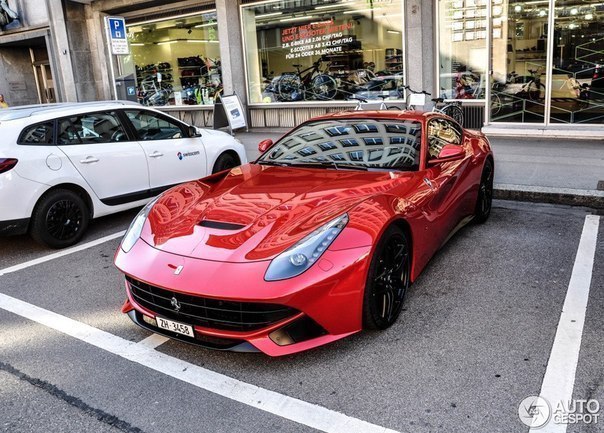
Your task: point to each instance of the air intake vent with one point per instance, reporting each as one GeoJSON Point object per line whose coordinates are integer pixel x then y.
{"type": "Point", "coordinates": [220, 225]}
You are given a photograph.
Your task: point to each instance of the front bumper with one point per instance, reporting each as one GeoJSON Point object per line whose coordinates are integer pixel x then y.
{"type": "Point", "coordinates": [329, 294]}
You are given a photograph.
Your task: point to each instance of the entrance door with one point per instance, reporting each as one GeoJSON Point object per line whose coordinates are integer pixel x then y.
{"type": "Point", "coordinates": [46, 87]}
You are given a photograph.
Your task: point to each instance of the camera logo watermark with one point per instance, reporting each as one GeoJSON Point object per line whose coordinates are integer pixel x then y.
{"type": "Point", "coordinates": [536, 412]}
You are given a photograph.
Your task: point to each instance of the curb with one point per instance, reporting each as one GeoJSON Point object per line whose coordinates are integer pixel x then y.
{"type": "Point", "coordinates": [543, 194]}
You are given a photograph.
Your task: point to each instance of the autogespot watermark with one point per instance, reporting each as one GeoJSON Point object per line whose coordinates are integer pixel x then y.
{"type": "Point", "coordinates": [537, 412]}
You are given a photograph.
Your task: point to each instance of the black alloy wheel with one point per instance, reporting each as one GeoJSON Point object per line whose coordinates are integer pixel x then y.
{"type": "Point", "coordinates": [388, 280]}
{"type": "Point", "coordinates": [59, 219]}
{"type": "Point", "coordinates": [485, 193]}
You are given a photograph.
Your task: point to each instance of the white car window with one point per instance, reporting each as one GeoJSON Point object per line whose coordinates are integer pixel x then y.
{"type": "Point", "coordinates": [91, 128]}
{"type": "Point", "coordinates": [152, 126]}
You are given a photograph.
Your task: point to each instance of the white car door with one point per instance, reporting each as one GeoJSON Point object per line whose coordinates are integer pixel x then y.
{"type": "Point", "coordinates": [112, 164]}
{"type": "Point", "coordinates": [172, 155]}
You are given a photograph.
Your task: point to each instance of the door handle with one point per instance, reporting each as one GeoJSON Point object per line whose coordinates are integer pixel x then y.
{"type": "Point", "coordinates": [156, 154]}
{"type": "Point", "coordinates": [89, 160]}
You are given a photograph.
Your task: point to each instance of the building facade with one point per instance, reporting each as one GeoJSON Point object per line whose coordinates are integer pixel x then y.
{"type": "Point", "coordinates": [512, 64]}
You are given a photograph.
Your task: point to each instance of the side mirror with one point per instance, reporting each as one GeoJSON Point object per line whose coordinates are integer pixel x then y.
{"type": "Point", "coordinates": [449, 152]}
{"type": "Point", "coordinates": [193, 132]}
{"type": "Point", "coordinates": [265, 145]}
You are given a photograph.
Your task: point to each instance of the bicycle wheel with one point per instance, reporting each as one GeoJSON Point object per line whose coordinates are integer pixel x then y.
{"type": "Point", "coordinates": [495, 104]}
{"type": "Point", "coordinates": [323, 87]}
{"type": "Point", "coordinates": [454, 112]}
{"type": "Point", "coordinates": [288, 87]}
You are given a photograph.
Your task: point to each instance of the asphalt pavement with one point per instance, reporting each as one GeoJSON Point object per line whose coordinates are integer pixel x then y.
{"type": "Point", "coordinates": [473, 341]}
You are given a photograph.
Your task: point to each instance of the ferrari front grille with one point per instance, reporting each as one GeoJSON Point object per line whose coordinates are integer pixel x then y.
{"type": "Point", "coordinates": [207, 312]}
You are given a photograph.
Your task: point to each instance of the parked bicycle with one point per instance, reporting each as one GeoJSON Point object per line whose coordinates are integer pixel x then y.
{"type": "Point", "coordinates": [450, 108]}
{"type": "Point", "coordinates": [309, 83]}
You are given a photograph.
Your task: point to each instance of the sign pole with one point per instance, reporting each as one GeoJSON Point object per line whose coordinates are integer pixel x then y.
{"type": "Point", "coordinates": [111, 65]}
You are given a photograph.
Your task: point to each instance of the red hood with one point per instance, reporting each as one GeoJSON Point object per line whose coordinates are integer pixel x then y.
{"type": "Point", "coordinates": [255, 212]}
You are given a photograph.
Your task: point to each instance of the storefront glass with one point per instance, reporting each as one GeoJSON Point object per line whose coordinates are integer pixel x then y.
{"type": "Point", "coordinates": [578, 60]}
{"type": "Point", "coordinates": [177, 61]}
{"type": "Point", "coordinates": [519, 56]}
{"type": "Point", "coordinates": [462, 31]}
{"type": "Point", "coordinates": [313, 50]}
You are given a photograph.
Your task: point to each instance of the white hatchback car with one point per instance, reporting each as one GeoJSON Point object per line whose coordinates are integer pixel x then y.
{"type": "Point", "coordinates": [63, 164]}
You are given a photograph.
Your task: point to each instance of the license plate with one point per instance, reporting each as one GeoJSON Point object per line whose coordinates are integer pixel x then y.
{"type": "Point", "coordinates": [179, 328]}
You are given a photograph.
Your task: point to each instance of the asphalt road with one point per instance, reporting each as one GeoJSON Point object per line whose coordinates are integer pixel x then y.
{"type": "Point", "coordinates": [473, 341]}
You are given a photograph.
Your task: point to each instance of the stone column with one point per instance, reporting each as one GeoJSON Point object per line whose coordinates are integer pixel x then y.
{"type": "Point", "coordinates": [63, 72]}
{"type": "Point", "coordinates": [420, 46]}
{"type": "Point", "coordinates": [231, 49]}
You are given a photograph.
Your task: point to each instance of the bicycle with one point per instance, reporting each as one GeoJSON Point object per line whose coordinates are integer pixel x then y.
{"type": "Point", "coordinates": [451, 108]}
{"type": "Point", "coordinates": [294, 86]}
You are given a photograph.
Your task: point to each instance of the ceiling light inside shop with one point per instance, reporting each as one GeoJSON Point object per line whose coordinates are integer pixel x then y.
{"type": "Point", "coordinates": [137, 44]}
{"type": "Point", "coordinates": [284, 20]}
{"type": "Point", "coordinates": [574, 11]}
{"type": "Point", "coordinates": [273, 14]}
{"type": "Point", "coordinates": [517, 8]}
{"type": "Point", "coordinates": [394, 32]}
{"type": "Point", "coordinates": [542, 13]}
{"type": "Point", "coordinates": [589, 17]}
{"type": "Point", "coordinates": [205, 25]}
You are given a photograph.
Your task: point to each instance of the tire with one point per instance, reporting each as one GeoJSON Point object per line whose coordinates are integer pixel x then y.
{"type": "Point", "coordinates": [60, 219]}
{"type": "Point", "coordinates": [454, 112]}
{"type": "Point", "coordinates": [288, 88]}
{"type": "Point", "coordinates": [225, 161]}
{"type": "Point", "coordinates": [485, 194]}
{"type": "Point", "coordinates": [323, 87]}
{"type": "Point", "coordinates": [388, 280]}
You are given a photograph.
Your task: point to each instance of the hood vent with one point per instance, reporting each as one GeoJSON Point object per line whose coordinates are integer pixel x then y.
{"type": "Point", "coordinates": [220, 225]}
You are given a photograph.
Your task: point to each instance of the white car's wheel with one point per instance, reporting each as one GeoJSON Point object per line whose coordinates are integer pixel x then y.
{"type": "Point", "coordinates": [59, 219]}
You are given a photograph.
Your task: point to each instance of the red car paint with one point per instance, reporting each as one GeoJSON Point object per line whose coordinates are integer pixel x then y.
{"type": "Point", "coordinates": [273, 207]}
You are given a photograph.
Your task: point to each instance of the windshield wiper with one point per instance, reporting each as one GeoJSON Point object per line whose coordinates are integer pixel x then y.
{"type": "Point", "coordinates": [279, 164]}
{"type": "Point", "coordinates": [336, 165]}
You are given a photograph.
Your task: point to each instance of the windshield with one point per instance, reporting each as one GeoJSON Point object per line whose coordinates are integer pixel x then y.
{"type": "Point", "coordinates": [350, 143]}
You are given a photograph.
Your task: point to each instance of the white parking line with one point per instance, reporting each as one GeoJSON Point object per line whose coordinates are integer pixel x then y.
{"type": "Point", "coordinates": [61, 253]}
{"type": "Point", "coordinates": [559, 379]}
{"type": "Point", "coordinates": [299, 411]}
{"type": "Point", "coordinates": [153, 341]}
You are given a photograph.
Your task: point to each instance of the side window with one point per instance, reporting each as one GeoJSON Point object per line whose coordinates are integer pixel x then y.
{"type": "Point", "coordinates": [441, 132]}
{"type": "Point", "coordinates": [152, 126]}
{"type": "Point", "coordinates": [39, 134]}
{"type": "Point", "coordinates": [91, 128]}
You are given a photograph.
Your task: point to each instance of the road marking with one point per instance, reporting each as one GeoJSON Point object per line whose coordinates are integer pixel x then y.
{"type": "Point", "coordinates": [153, 341]}
{"type": "Point", "coordinates": [559, 379]}
{"type": "Point", "coordinates": [290, 408]}
{"type": "Point", "coordinates": [61, 253]}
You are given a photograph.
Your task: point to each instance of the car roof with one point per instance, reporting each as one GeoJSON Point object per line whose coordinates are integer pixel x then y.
{"type": "Point", "coordinates": [378, 115]}
{"type": "Point", "coordinates": [24, 111]}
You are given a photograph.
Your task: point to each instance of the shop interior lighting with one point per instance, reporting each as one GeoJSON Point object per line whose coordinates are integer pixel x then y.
{"type": "Point", "coordinates": [272, 14]}
{"type": "Point", "coordinates": [517, 8]}
{"type": "Point", "coordinates": [589, 16]}
{"type": "Point", "coordinates": [137, 44]}
{"type": "Point", "coordinates": [205, 25]}
{"type": "Point", "coordinates": [574, 11]}
{"type": "Point", "coordinates": [284, 20]}
{"type": "Point", "coordinates": [394, 32]}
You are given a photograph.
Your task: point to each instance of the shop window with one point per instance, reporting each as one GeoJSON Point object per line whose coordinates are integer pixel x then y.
{"type": "Point", "coordinates": [309, 50]}
{"type": "Point", "coordinates": [177, 61]}
{"type": "Point", "coordinates": [462, 48]}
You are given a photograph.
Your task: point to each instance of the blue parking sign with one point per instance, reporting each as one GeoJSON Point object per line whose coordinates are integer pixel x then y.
{"type": "Point", "coordinates": [118, 38]}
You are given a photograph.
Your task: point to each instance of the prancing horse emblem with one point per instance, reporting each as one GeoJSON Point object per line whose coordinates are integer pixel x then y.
{"type": "Point", "coordinates": [178, 270]}
{"type": "Point", "coordinates": [174, 302]}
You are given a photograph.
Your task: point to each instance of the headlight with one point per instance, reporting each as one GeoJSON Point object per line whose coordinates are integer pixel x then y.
{"type": "Point", "coordinates": [305, 253]}
{"type": "Point", "coordinates": [136, 228]}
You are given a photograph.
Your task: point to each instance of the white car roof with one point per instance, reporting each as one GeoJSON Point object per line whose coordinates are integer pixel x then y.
{"type": "Point", "coordinates": [43, 110]}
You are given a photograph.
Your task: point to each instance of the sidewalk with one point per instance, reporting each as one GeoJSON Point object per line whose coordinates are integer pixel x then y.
{"type": "Point", "coordinates": [561, 170]}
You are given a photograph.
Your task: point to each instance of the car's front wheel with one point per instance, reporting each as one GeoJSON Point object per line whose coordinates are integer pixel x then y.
{"type": "Point", "coordinates": [60, 219]}
{"type": "Point", "coordinates": [485, 193]}
{"type": "Point", "coordinates": [388, 280]}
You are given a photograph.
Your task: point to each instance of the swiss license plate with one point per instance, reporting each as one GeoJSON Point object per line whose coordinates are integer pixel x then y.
{"type": "Point", "coordinates": [179, 328]}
